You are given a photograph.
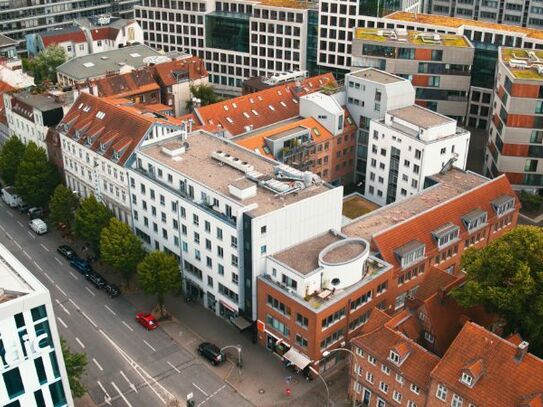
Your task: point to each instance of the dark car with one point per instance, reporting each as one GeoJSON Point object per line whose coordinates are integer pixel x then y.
{"type": "Point", "coordinates": [67, 251]}
{"type": "Point", "coordinates": [211, 352]}
{"type": "Point", "coordinates": [23, 208]}
{"type": "Point", "coordinates": [35, 212]}
{"type": "Point", "coordinates": [96, 279]}
{"type": "Point", "coordinates": [112, 290]}
{"type": "Point", "coordinates": [81, 265]}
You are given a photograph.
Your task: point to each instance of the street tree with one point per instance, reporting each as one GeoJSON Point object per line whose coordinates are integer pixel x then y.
{"type": "Point", "coordinates": [62, 206]}
{"type": "Point", "coordinates": [506, 277]}
{"type": "Point", "coordinates": [76, 364]}
{"type": "Point", "coordinates": [43, 67]}
{"type": "Point", "coordinates": [158, 274]}
{"type": "Point", "coordinates": [36, 177]}
{"type": "Point", "coordinates": [205, 93]}
{"type": "Point", "coordinates": [10, 157]}
{"type": "Point", "coordinates": [121, 248]}
{"type": "Point", "coordinates": [90, 218]}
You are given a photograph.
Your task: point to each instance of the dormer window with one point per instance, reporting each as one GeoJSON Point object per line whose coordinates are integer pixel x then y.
{"type": "Point", "coordinates": [503, 204]}
{"type": "Point", "coordinates": [475, 219]}
{"type": "Point", "coordinates": [466, 379]}
{"type": "Point", "coordinates": [103, 147]}
{"type": "Point", "coordinates": [410, 253]}
{"type": "Point", "coordinates": [77, 135]}
{"type": "Point", "coordinates": [116, 155]}
{"type": "Point", "coordinates": [394, 357]}
{"type": "Point", "coordinates": [446, 234]}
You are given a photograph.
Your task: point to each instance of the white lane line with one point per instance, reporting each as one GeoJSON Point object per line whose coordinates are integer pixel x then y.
{"type": "Point", "coordinates": [1, 227]}
{"type": "Point", "coordinates": [31, 234]}
{"type": "Point", "coordinates": [58, 261]}
{"type": "Point", "coordinates": [148, 344]}
{"type": "Point", "coordinates": [62, 306]}
{"type": "Point", "coordinates": [212, 395]}
{"type": "Point", "coordinates": [10, 214]}
{"type": "Point", "coordinates": [132, 385]}
{"type": "Point", "coordinates": [38, 266]}
{"type": "Point", "coordinates": [61, 290]}
{"type": "Point", "coordinates": [74, 276]}
{"type": "Point", "coordinates": [204, 393]}
{"type": "Point", "coordinates": [128, 326]}
{"type": "Point", "coordinates": [109, 309]}
{"type": "Point", "coordinates": [98, 365]}
{"type": "Point", "coordinates": [44, 247]}
{"type": "Point", "coordinates": [90, 291]}
{"type": "Point", "coordinates": [11, 238]}
{"type": "Point", "coordinates": [62, 322]}
{"type": "Point", "coordinates": [107, 398]}
{"type": "Point", "coordinates": [79, 342]}
{"type": "Point", "coordinates": [17, 244]}
{"type": "Point", "coordinates": [90, 320]}
{"type": "Point", "coordinates": [49, 278]}
{"type": "Point", "coordinates": [27, 255]}
{"type": "Point", "coordinates": [20, 224]}
{"type": "Point", "coordinates": [74, 304]}
{"type": "Point", "coordinates": [173, 367]}
{"type": "Point", "coordinates": [121, 394]}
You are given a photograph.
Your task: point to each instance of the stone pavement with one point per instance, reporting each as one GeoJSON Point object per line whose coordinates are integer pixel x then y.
{"type": "Point", "coordinates": [262, 380]}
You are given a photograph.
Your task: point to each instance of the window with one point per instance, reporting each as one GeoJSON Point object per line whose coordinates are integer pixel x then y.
{"type": "Point", "coordinates": [234, 260]}
{"type": "Point", "coordinates": [428, 337]}
{"type": "Point", "coordinates": [383, 387]}
{"type": "Point", "coordinates": [475, 219]}
{"type": "Point", "coordinates": [221, 270]}
{"type": "Point", "coordinates": [441, 392]}
{"type": "Point", "coordinates": [394, 357]}
{"type": "Point", "coordinates": [263, 230]}
{"type": "Point", "coordinates": [371, 359]}
{"type": "Point", "coordinates": [503, 205]}
{"type": "Point", "coordinates": [363, 299]}
{"type": "Point", "coordinates": [234, 242]}
{"type": "Point", "coordinates": [446, 234]}
{"type": "Point", "coordinates": [14, 383]}
{"type": "Point", "coordinates": [397, 396]}
{"type": "Point", "coordinates": [456, 401]}
{"type": "Point", "coordinates": [331, 319]}
{"type": "Point", "coordinates": [289, 282]}
{"type": "Point", "coordinates": [369, 377]}
{"type": "Point", "coordinates": [195, 220]}
{"type": "Point", "coordinates": [410, 253]}
{"type": "Point", "coordinates": [263, 249]}
{"type": "Point", "coordinates": [278, 305]}
{"type": "Point", "coordinates": [277, 325]}
{"type": "Point", "coordinates": [219, 233]}
{"type": "Point", "coordinates": [414, 388]}
{"type": "Point", "coordinates": [302, 320]}
{"type": "Point", "coordinates": [385, 369]}
{"type": "Point", "coordinates": [300, 340]}
{"type": "Point", "coordinates": [399, 378]}
{"type": "Point", "coordinates": [331, 339]}
{"type": "Point", "coordinates": [466, 379]}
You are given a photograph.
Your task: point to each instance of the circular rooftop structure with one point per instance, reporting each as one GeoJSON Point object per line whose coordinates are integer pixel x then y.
{"type": "Point", "coordinates": [344, 262]}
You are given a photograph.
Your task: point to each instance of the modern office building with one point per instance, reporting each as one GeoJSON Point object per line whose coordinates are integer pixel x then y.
{"type": "Point", "coordinates": [515, 145]}
{"type": "Point", "coordinates": [410, 144]}
{"type": "Point", "coordinates": [19, 18]}
{"type": "Point", "coordinates": [438, 65]}
{"type": "Point", "coordinates": [31, 362]}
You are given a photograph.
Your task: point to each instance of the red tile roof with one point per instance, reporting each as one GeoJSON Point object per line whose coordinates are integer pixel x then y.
{"type": "Point", "coordinates": [132, 83]}
{"type": "Point", "coordinates": [193, 68]}
{"type": "Point", "coordinates": [236, 115]}
{"type": "Point", "coordinates": [505, 381]}
{"type": "Point", "coordinates": [104, 33]}
{"type": "Point", "coordinates": [69, 35]}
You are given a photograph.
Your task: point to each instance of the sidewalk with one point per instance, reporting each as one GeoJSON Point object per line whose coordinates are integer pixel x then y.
{"type": "Point", "coordinates": [262, 381]}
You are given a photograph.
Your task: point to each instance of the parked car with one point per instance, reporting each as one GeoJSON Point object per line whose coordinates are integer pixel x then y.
{"type": "Point", "coordinates": [147, 320]}
{"type": "Point", "coordinates": [35, 212]}
{"type": "Point", "coordinates": [211, 352]}
{"type": "Point", "coordinates": [23, 208]}
{"type": "Point", "coordinates": [112, 290]}
{"type": "Point", "coordinates": [96, 279]}
{"type": "Point", "coordinates": [81, 265]}
{"type": "Point", "coordinates": [10, 197]}
{"type": "Point", "coordinates": [38, 226]}
{"type": "Point", "coordinates": [67, 251]}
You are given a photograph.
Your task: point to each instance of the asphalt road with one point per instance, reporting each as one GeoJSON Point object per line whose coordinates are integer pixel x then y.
{"type": "Point", "coordinates": [127, 365]}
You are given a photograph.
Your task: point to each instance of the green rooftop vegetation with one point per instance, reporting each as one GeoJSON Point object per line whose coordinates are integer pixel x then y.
{"type": "Point", "coordinates": [413, 37]}
{"type": "Point", "coordinates": [528, 73]}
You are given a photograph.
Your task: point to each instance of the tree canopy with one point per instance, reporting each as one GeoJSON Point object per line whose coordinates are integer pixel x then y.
{"type": "Point", "coordinates": [506, 277]}
{"type": "Point", "coordinates": [10, 157]}
{"type": "Point", "coordinates": [36, 176]}
{"type": "Point", "coordinates": [62, 206]}
{"type": "Point", "coordinates": [205, 93]}
{"type": "Point", "coordinates": [120, 248]}
{"type": "Point", "coordinates": [44, 65]}
{"type": "Point", "coordinates": [76, 364]}
{"type": "Point", "coordinates": [90, 218]}
{"type": "Point", "coordinates": [158, 273]}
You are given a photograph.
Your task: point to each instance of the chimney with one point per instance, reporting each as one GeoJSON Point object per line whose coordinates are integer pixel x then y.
{"type": "Point", "coordinates": [522, 349]}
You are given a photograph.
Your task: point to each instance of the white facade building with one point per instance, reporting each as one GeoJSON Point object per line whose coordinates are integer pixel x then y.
{"type": "Point", "coordinates": [31, 362]}
{"type": "Point", "coordinates": [410, 144]}
{"type": "Point", "coordinates": [221, 209]}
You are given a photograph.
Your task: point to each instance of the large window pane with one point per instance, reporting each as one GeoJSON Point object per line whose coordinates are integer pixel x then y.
{"type": "Point", "coordinates": [38, 313]}
{"type": "Point", "coordinates": [57, 393]}
{"type": "Point", "coordinates": [14, 383]}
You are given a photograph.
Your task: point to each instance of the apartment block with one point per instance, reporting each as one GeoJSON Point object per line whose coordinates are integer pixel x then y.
{"type": "Point", "coordinates": [318, 294]}
{"type": "Point", "coordinates": [515, 146]}
{"type": "Point", "coordinates": [438, 65]}
{"type": "Point", "coordinates": [410, 144]}
{"type": "Point", "coordinates": [221, 210]}
{"type": "Point", "coordinates": [32, 364]}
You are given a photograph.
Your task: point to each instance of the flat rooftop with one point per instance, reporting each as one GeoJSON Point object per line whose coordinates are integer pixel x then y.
{"type": "Point", "coordinates": [454, 22]}
{"type": "Point", "coordinates": [420, 116]}
{"type": "Point", "coordinates": [44, 102]}
{"type": "Point", "coordinates": [15, 279]}
{"type": "Point", "coordinates": [198, 164]}
{"type": "Point", "coordinates": [95, 65]}
{"type": "Point", "coordinates": [356, 205]}
{"type": "Point", "coordinates": [523, 63]}
{"type": "Point", "coordinates": [376, 75]}
{"type": "Point", "coordinates": [417, 38]}
{"type": "Point", "coordinates": [449, 185]}
{"type": "Point", "coordinates": [295, 4]}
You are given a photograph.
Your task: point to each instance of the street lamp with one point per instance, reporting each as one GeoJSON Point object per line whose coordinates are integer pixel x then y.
{"type": "Point", "coordinates": [238, 348]}
{"type": "Point", "coordinates": [327, 353]}
{"type": "Point", "coordinates": [325, 386]}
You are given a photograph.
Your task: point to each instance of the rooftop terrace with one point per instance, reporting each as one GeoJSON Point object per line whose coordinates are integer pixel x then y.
{"type": "Point", "coordinates": [420, 116]}
{"type": "Point", "coordinates": [523, 64]}
{"type": "Point", "coordinates": [412, 37]}
{"type": "Point", "coordinates": [295, 4]}
{"type": "Point", "coordinates": [376, 75]}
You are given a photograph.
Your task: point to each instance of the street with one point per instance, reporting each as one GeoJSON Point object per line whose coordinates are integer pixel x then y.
{"type": "Point", "coordinates": [127, 365]}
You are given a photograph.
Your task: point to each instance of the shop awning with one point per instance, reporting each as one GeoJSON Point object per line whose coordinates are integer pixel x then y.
{"type": "Point", "coordinates": [300, 360]}
{"type": "Point", "coordinates": [241, 323]}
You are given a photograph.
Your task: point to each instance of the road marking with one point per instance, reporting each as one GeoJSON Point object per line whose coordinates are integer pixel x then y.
{"type": "Point", "coordinates": [98, 364]}
{"type": "Point", "coordinates": [128, 326]}
{"type": "Point", "coordinates": [173, 367]}
{"type": "Point", "coordinates": [121, 394]}
{"type": "Point", "coordinates": [44, 247]}
{"type": "Point", "coordinates": [38, 266]}
{"type": "Point", "coordinates": [107, 398]}
{"type": "Point", "coordinates": [74, 304]}
{"type": "Point", "coordinates": [27, 255]}
{"type": "Point", "coordinates": [90, 291]}
{"type": "Point", "coordinates": [62, 306]}
{"type": "Point", "coordinates": [195, 385]}
{"type": "Point", "coordinates": [74, 276]}
{"type": "Point", "coordinates": [11, 238]}
{"type": "Point", "coordinates": [61, 290]}
{"type": "Point", "coordinates": [31, 234]}
{"type": "Point", "coordinates": [147, 343]}
{"type": "Point", "coordinates": [58, 261]}
{"type": "Point", "coordinates": [20, 223]}
{"type": "Point", "coordinates": [109, 309]}
{"type": "Point", "coordinates": [1, 227]}
{"type": "Point", "coordinates": [212, 395]}
{"type": "Point", "coordinates": [90, 320]}
{"type": "Point", "coordinates": [132, 385]}
{"type": "Point", "coordinates": [10, 214]}
{"type": "Point", "coordinates": [79, 342]}
{"type": "Point", "coordinates": [49, 278]}
{"type": "Point", "coordinates": [62, 322]}
{"type": "Point", "coordinates": [17, 244]}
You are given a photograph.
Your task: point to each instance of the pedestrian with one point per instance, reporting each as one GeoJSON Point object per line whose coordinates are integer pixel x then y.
{"type": "Point", "coordinates": [288, 392]}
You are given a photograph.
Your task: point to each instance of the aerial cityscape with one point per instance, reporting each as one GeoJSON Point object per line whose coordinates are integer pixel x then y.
{"type": "Point", "coordinates": [257, 203]}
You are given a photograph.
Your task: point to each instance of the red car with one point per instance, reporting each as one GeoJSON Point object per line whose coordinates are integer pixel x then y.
{"type": "Point", "coordinates": [147, 320]}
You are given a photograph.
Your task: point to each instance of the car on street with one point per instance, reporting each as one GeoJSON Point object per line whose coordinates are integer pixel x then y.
{"type": "Point", "coordinates": [112, 290]}
{"type": "Point", "coordinates": [67, 252]}
{"type": "Point", "coordinates": [35, 212]}
{"type": "Point", "coordinates": [23, 208]}
{"type": "Point", "coordinates": [147, 320]}
{"type": "Point", "coordinates": [81, 265]}
{"type": "Point", "coordinates": [38, 226]}
{"type": "Point", "coordinates": [96, 279]}
{"type": "Point", "coordinates": [211, 352]}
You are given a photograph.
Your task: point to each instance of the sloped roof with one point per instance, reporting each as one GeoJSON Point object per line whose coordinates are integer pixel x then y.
{"type": "Point", "coordinates": [69, 34]}
{"type": "Point", "coordinates": [259, 109]}
{"type": "Point", "coordinates": [168, 72]}
{"type": "Point", "coordinates": [104, 33]}
{"type": "Point", "coordinates": [132, 83]}
{"type": "Point", "coordinates": [505, 380]}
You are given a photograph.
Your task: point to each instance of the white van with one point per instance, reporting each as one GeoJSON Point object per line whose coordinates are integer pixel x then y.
{"type": "Point", "coordinates": [10, 197]}
{"type": "Point", "coordinates": [38, 226]}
